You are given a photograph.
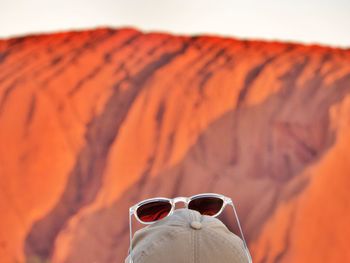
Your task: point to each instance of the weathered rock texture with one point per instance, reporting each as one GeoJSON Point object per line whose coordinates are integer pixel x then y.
{"type": "Point", "coordinates": [92, 122]}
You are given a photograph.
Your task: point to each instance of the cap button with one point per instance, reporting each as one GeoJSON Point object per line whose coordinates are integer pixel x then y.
{"type": "Point", "coordinates": [196, 225]}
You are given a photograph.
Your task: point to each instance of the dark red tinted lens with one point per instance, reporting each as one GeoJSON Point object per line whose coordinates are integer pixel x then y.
{"type": "Point", "coordinates": [153, 211]}
{"type": "Point", "coordinates": [206, 205]}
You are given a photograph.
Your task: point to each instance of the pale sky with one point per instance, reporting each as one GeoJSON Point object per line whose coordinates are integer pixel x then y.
{"type": "Point", "coordinates": [324, 22]}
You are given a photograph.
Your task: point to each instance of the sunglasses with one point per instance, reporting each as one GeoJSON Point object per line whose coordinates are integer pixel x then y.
{"type": "Point", "coordinates": [155, 209]}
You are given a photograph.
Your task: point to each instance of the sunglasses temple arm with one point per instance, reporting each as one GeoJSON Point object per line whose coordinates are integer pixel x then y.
{"type": "Point", "coordinates": [241, 232]}
{"type": "Point", "coordinates": [130, 229]}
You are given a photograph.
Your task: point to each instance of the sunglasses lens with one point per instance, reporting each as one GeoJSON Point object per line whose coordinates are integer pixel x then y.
{"type": "Point", "coordinates": [153, 211]}
{"type": "Point", "coordinates": [206, 205]}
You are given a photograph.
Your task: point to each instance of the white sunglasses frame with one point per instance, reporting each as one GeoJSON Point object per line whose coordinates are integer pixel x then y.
{"type": "Point", "coordinates": [186, 200]}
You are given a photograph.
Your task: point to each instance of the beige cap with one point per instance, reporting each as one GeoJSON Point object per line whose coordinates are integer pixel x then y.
{"type": "Point", "coordinates": [187, 237]}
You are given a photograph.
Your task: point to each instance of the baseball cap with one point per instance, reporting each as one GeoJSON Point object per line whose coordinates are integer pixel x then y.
{"type": "Point", "coordinates": [187, 237]}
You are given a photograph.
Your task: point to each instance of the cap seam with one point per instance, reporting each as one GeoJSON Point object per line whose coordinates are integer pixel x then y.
{"type": "Point", "coordinates": [193, 245]}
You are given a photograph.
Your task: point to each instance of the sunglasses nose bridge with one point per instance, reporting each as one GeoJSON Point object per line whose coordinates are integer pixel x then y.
{"type": "Point", "coordinates": [181, 199]}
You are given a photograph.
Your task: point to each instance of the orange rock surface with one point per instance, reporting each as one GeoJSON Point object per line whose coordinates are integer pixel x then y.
{"type": "Point", "coordinates": [92, 122]}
